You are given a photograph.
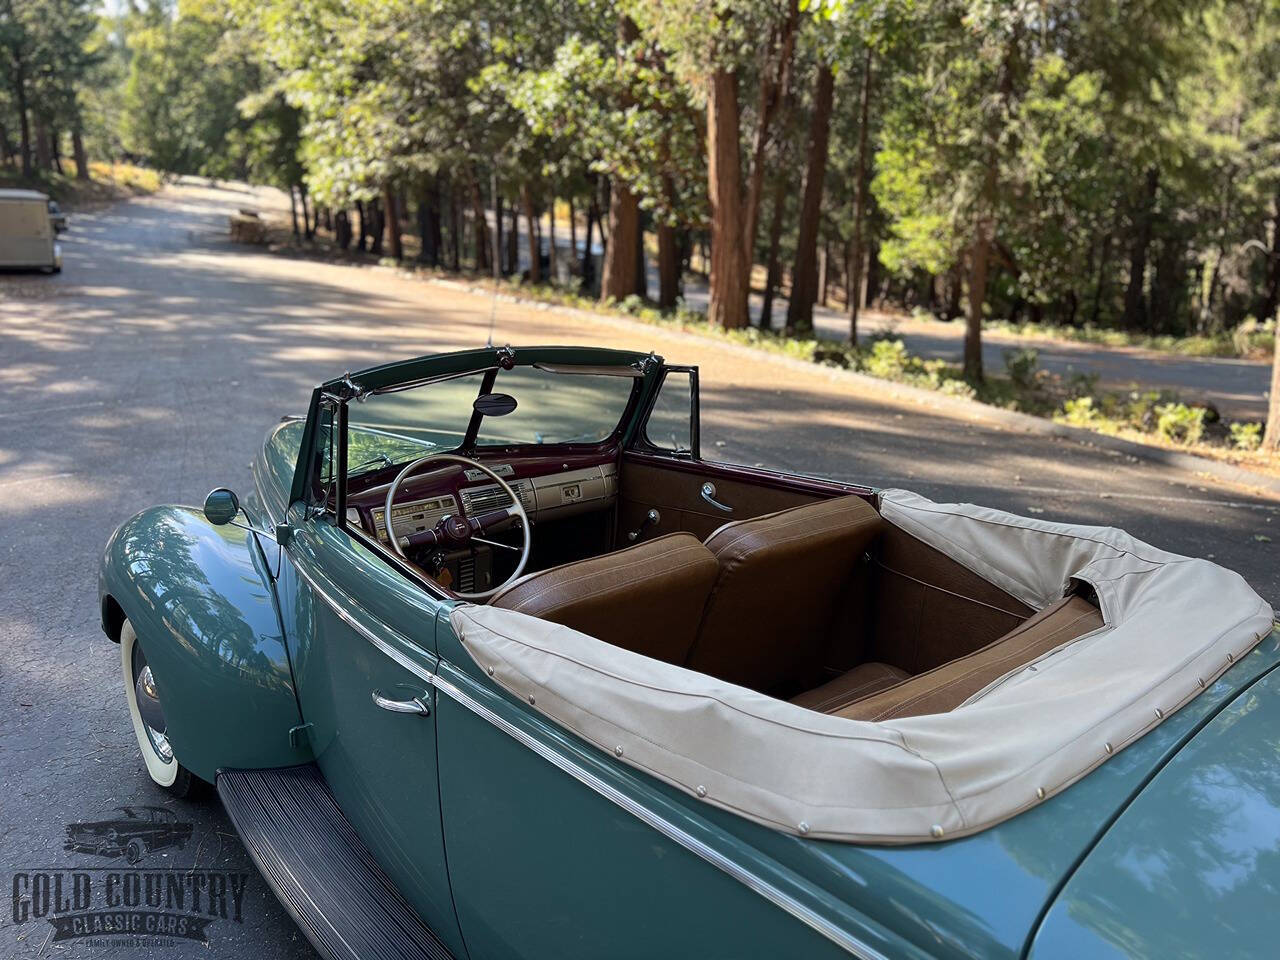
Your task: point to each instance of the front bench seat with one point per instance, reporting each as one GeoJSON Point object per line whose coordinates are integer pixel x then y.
{"type": "Point", "coordinates": [782, 580]}
{"type": "Point", "coordinates": [647, 598]}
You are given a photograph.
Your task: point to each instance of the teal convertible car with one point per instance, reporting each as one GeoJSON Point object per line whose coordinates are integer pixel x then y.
{"type": "Point", "coordinates": [493, 663]}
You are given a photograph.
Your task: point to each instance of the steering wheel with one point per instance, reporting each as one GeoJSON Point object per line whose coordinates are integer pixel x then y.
{"type": "Point", "coordinates": [456, 531]}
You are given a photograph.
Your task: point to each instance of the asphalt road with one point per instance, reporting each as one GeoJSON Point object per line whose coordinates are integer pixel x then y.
{"type": "Point", "coordinates": [150, 370]}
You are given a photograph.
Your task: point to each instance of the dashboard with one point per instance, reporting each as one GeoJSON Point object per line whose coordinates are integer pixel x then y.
{"type": "Point", "coordinates": [549, 489]}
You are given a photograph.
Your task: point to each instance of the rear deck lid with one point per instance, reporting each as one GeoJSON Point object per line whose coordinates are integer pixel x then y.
{"type": "Point", "coordinates": [1191, 868]}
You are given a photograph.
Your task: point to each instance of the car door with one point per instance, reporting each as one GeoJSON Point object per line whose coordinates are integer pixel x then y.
{"type": "Point", "coordinates": [363, 652]}
{"type": "Point", "coordinates": [559, 850]}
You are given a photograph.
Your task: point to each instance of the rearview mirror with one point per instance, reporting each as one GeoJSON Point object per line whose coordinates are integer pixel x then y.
{"type": "Point", "coordinates": [221, 506]}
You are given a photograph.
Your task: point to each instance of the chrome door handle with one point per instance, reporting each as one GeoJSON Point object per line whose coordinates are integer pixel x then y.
{"type": "Point", "coordinates": [401, 706]}
{"type": "Point", "coordinates": [709, 495]}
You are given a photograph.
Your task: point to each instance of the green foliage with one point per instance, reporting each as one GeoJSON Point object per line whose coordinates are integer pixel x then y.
{"type": "Point", "coordinates": [1021, 365]}
{"type": "Point", "coordinates": [1179, 422]}
{"type": "Point", "coordinates": [1246, 436]}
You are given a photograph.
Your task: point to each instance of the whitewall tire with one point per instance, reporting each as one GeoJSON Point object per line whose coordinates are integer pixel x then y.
{"type": "Point", "coordinates": [162, 766]}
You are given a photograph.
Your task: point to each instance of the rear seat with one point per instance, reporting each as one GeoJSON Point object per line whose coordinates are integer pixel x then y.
{"type": "Point", "coordinates": [870, 691]}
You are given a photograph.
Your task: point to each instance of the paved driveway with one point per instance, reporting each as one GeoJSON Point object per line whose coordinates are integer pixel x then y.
{"type": "Point", "coordinates": [149, 371]}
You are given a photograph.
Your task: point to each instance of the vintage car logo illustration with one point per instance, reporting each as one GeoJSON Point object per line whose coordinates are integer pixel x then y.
{"type": "Point", "coordinates": [132, 833]}
{"type": "Point", "coordinates": [114, 904]}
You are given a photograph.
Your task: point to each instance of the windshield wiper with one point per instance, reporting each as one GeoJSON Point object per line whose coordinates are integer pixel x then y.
{"type": "Point", "coordinates": [380, 458]}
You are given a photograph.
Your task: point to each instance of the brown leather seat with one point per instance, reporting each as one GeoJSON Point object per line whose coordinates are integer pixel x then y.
{"type": "Point", "coordinates": [862, 681]}
{"type": "Point", "coordinates": [782, 579]}
{"type": "Point", "coordinates": [647, 598]}
{"type": "Point", "coordinates": [948, 686]}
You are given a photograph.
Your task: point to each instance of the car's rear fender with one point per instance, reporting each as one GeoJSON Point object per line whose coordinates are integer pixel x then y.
{"type": "Point", "coordinates": [201, 601]}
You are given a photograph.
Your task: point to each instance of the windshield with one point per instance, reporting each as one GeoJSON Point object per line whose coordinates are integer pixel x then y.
{"type": "Point", "coordinates": [551, 407]}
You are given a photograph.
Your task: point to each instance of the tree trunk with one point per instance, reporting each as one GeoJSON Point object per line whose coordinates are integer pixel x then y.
{"type": "Point", "coordinates": [1271, 439]}
{"type": "Point", "coordinates": [804, 275]}
{"type": "Point", "coordinates": [377, 223]}
{"type": "Point", "coordinates": [772, 86]}
{"type": "Point", "coordinates": [979, 256]}
{"type": "Point", "coordinates": [308, 229]}
{"type": "Point", "coordinates": [480, 229]}
{"type": "Point", "coordinates": [55, 151]}
{"type": "Point", "coordinates": [363, 217]}
{"type": "Point", "coordinates": [393, 223]}
{"type": "Point", "coordinates": [1271, 300]}
{"type": "Point", "coordinates": [24, 120]}
{"type": "Point", "coordinates": [429, 222]}
{"type": "Point", "coordinates": [293, 212]}
{"type": "Point", "coordinates": [619, 275]}
{"type": "Point", "coordinates": [513, 241]}
{"type": "Point", "coordinates": [551, 239]}
{"type": "Point", "coordinates": [342, 230]}
{"type": "Point", "coordinates": [455, 227]}
{"type": "Point", "coordinates": [573, 234]}
{"type": "Point", "coordinates": [531, 220]}
{"type": "Point", "coordinates": [668, 253]}
{"type": "Point", "coordinates": [1135, 310]}
{"type": "Point", "coordinates": [44, 160]}
{"type": "Point", "coordinates": [642, 274]}
{"type": "Point", "coordinates": [498, 245]}
{"type": "Point", "coordinates": [775, 238]}
{"type": "Point", "coordinates": [729, 278]}
{"type": "Point", "coordinates": [824, 262]}
{"type": "Point", "coordinates": [859, 202]}
{"type": "Point", "coordinates": [588, 268]}
{"type": "Point", "coordinates": [1100, 284]}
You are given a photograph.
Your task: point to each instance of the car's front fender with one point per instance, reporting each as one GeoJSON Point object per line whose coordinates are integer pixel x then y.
{"type": "Point", "coordinates": [200, 599]}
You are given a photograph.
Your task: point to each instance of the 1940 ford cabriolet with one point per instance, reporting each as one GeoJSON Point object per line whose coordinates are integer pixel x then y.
{"type": "Point", "coordinates": [492, 663]}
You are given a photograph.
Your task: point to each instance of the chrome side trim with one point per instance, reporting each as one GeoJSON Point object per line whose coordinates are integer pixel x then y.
{"type": "Point", "coordinates": [668, 829]}
{"type": "Point", "coordinates": [752, 881]}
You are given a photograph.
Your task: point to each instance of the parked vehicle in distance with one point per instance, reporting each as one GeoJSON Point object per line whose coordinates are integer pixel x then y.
{"type": "Point", "coordinates": [57, 217]}
{"type": "Point", "coordinates": [28, 235]}
{"type": "Point", "coordinates": [138, 831]}
{"type": "Point", "coordinates": [492, 663]}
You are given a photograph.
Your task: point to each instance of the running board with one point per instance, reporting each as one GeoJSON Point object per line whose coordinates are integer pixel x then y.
{"type": "Point", "coordinates": [312, 858]}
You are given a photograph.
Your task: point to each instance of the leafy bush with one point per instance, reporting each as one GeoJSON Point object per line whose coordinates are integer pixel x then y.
{"type": "Point", "coordinates": [887, 359]}
{"type": "Point", "coordinates": [1080, 411]}
{"type": "Point", "coordinates": [1246, 436]}
{"type": "Point", "coordinates": [1179, 422]}
{"type": "Point", "coordinates": [1022, 365]}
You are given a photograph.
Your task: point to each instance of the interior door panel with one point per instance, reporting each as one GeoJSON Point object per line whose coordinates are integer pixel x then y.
{"type": "Point", "coordinates": [674, 488]}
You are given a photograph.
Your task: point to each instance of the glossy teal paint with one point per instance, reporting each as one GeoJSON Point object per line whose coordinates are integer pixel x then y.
{"type": "Point", "coordinates": [977, 896]}
{"type": "Point", "coordinates": [199, 597]}
{"type": "Point", "coordinates": [543, 866]}
{"type": "Point", "coordinates": [380, 765]}
{"type": "Point", "coordinates": [1192, 867]}
{"type": "Point", "coordinates": [273, 469]}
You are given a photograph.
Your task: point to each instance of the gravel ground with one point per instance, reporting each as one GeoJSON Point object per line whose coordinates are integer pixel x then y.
{"type": "Point", "coordinates": [151, 368]}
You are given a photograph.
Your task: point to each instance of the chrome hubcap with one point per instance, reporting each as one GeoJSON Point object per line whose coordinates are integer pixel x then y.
{"type": "Point", "coordinates": [150, 710]}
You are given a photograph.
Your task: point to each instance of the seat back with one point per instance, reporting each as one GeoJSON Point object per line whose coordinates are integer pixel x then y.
{"type": "Point", "coordinates": [647, 598]}
{"type": "Point", "coordinates": [948, 686]}
{"type": "Point", "coordinates": [782, 580]}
